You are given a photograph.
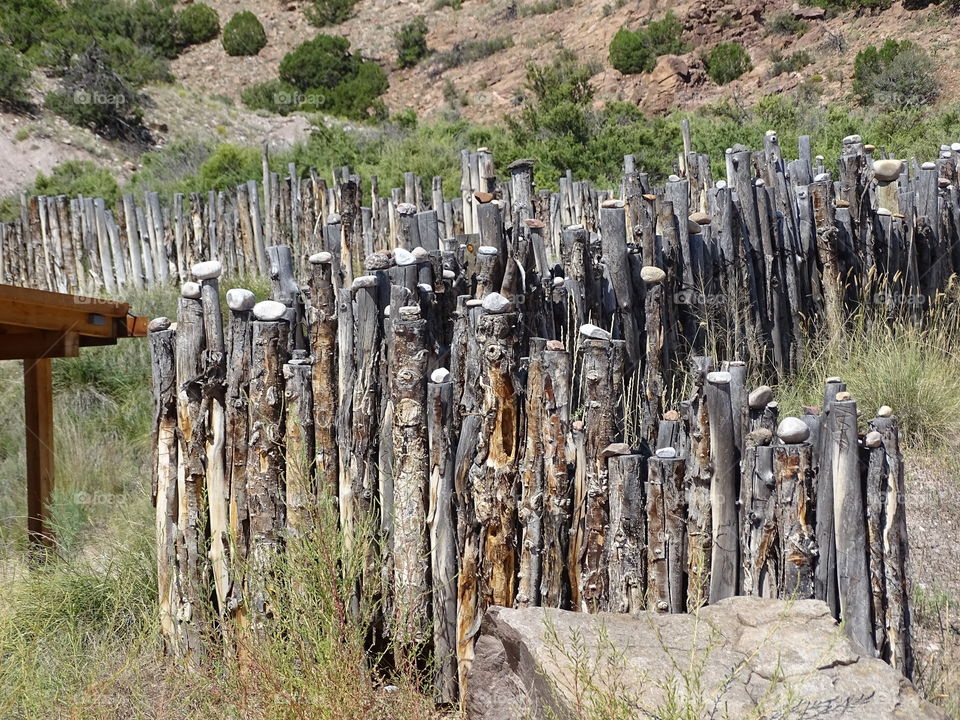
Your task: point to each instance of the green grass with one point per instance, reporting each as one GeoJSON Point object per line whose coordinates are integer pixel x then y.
{"type": "Point", "coordinates": [912, 367]}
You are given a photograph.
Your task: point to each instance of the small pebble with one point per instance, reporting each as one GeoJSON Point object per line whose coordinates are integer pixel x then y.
{"type": "Point", "coordinates": [403, 257]}
{"type": "Point", "coordinates": [718, 377]}
{"type": "Point", "coordinates": [885, 411]}
{"type": "Point", "coordinates": [873, 439]}
{"type": "Point", "coordinates": [667, 452]}
{"type": "Point", "coordinates": [440, 375]}
{"type": "Point", "coordinates": [321, 258]}
{"type": "Point", "coordinates": [190, 290]}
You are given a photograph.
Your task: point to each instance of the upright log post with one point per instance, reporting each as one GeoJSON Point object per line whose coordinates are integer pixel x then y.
{"type": "Point", "coordinates": [411, 469]}
{"type": "Point", "coordinates": [849, 507]}
{"type": "Point", "coordinates": [441, 519]}
{"type": "Point", "coordinates": [725, 455]}
{"type": "Point", "coordinates": [163, 366]}
{"type": "Point", "coordinates": [265, 486]}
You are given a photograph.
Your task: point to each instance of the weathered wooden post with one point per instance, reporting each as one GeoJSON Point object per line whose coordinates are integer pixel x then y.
{"type": "Point", "coordinates": [323, 350]}
{"type": "Point", "coordinates": [441, 518]}
{"type": "Point", "coordinates": [411, 474]}
{"type": "Point", "coordinates": [894, 541]}
{"type": "Point", "coordinates": [725, 455]}
{"type": "Point", "coordinates": [237, 418]}
{"type": "Point", "coordinates": [265, 473]}
{"type": "Point", "coordinates": [626, 549]}
{"type": "Point", "coordinates": [163, 340]}
{"type": "Point", "coordinates": [699, 473]}
{"type": "Point", "coordinates": [299, 444]}
{"type": "Point", "coordinates": [793, 497]}
{"type": "Point", "coordinates": [194, 610]}
{"type": "Point", "coordinates": [666, 532]}
{"type": "Point", "coordinates": [853, 573]}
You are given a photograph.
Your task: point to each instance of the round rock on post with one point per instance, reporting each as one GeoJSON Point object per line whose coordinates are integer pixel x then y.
{"type": "Point", "coordinates": [792, 430]}
{"type": "Point", "coordinates": [404, 257]}
{"type": "Point", "coordinates": [873, 439]}
{"type": "Point", "coordinates": [589, 330]}
{"type": "Point", "coordinates": [240, 299]}
{"type": "Point", "coordinates": [652, 275]}
{"type": "Point", "coordinates": [269, 311]}
{"type": "Point", "coordinates": [885, 411]}
{"type": "Point", "coordinates": [321, 258]}
{"type": "Point", "coordinates": [207, 270]}
{"type": "Point", "coordinates": [496, 303]}
{"type": "Point", "coordinates": [159, 324]}
{"type": "Point", "coordinates": [760, 397]}
{"type": "Point", "coordinates": [190, 290]}
{"type": "Point", "coordinates": [373, 261]}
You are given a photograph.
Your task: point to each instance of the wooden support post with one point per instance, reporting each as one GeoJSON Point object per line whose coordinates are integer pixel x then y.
{"type": "Point", "coordinates": [441, 519]}
{"type": "Point", "coordinates": [849, 507]}
{"type": "Point", "coordinates": [725, 455]}
{"type": "Point", "coordinates": [162, 350]}
{"type": "Point", "coordinates": [38, 414]}
{"type": "Point", "coordinates": [666, 516]}
{"type": "Point", "coordinates": [626, 549]}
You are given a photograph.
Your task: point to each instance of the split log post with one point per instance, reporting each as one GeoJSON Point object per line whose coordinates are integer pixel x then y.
{"type": "Point", "coordinates": [215, 369]}
{"type": "Point", "coordinates": [796, 547]}
{"type": "Point", "coordinates": [299, 444]}
{"type": "Point", "coordinates": [192, 613]}
{"type": "Point", "coordinates": [853, 574]}
{"type": "Point", "coordinates": [725, 455]}
{"type": "Point", "coordinates": [825, 574]}
{"type": "Point", "coordinates": [265, 490]}
{"type": "Point", "coordinates": [441, 518]}
{"type": "Point", "coordinates": [626, 549]}
{"type": "Point", "coordinates": [163, 340]}
{"type": "Point", "coordinates": [323, 350]}
{"type": "Point", "coordinates": [411, 477]}
{"type": "Point", "coordinates": [237, 416]}
{"type": "Point", "coordinates": [666, 518]}
{"type": "Point", "coordinates": [895, 547]}
{"type": "Point", "coordinates": [699, 473]}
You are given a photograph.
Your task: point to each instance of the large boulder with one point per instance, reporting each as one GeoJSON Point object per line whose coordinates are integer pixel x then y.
{"type": "Point", "coordinates": [741, 658]}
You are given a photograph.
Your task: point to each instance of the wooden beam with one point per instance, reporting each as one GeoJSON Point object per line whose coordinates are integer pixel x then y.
{"type": "Point", "coordinates": [38, 412]}
{"type": "Point", "coordinates": [39, 344]}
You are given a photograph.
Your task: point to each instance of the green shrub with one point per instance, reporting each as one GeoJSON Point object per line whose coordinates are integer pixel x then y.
{"type": "Point", "coordinates": [77, 177]}
{"type": "Point", "coordinates": [228, 166]}
{"type": "Point", "coordinates": [329, 12]}
{"type": "Point", "coordinates": [14, 77]}
{"type": "Point", "coordinates": [629, 52]}
{"type": "Point", "coordinates": [275, 96]}
{"type": "Point", "coordinates": [789, 63]}
{"type": "Point", "coordinates": [726, 62]}
{"type": "Point", "coordinates": [22, 22]}
{"type": "Point", "coordinates": [357, 97]}
{"type": "Point", "coordinates": [897, 74]}
{"type": "Point", "coordinates": [636, 51]}
{"type": "Point", "coordinates": [784, 23]}
{"type": "Point", "coordinates": [243, 35]}
{"type": "Point", "coordinates": [543, 7]}
{"type": "Point", "coordinates": [95, 96]}
{"type": "Point", "coordinates": [323, 62]}
{"type": "Point", "coordinates": [197, 23]}
{"type": "Point", "coordinates": [469, 51]}
{"type": "Point", "coordinates": [411, 42]}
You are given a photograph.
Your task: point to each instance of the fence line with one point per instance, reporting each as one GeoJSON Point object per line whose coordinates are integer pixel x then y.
{"type": "Point", "coordinates": [497, 405]}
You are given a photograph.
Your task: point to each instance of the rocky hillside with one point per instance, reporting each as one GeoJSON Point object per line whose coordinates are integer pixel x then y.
{"type": "Point", "coordinates": [493, 86]}
{"type": "Point", "coordinates": [205, 100]}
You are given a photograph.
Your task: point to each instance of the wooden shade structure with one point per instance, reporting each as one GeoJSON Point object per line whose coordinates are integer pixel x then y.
{"type": "Point", "coordinates": [36, 326]}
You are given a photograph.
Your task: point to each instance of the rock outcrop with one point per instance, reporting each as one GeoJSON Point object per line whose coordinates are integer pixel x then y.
{"type": "Point", "coordinates": [741, 658]}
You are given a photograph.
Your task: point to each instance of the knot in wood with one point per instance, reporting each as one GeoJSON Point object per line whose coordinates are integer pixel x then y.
{"type": "Point", "coordinates": [493, 352]}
